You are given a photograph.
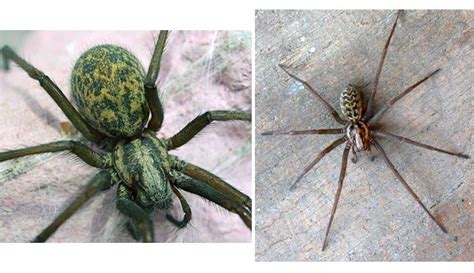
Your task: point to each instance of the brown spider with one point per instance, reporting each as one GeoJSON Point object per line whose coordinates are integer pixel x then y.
{"type": "Point", "coordinates": [359, 133]}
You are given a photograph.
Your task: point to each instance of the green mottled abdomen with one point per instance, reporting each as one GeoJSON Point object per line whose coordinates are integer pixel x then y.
{"type": "Point", "coordinates": [107, 83]}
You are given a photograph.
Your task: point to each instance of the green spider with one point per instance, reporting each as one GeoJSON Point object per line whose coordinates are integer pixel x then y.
{"type": "Point", "coordinates": [115, 98]}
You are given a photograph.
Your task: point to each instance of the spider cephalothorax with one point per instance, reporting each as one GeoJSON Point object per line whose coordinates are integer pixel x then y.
{"type": "Point", "coordinates": [358, 132]}
{"type": "Point", "coordinates": [120, 111]}
{"type": "Point", "coordinates": [143, 164]}
{"type": "Point", "coordinates": [358, 135]}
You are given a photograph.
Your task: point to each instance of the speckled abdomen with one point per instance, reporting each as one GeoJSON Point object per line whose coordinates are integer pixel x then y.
{"type": "Point", "coordinates": [107, 83]}
{"type": "Point", "coordinates": [351, 103]}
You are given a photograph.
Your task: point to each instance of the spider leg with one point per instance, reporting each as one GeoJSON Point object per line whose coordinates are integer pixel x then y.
{"type": "Point", "coordinates": [205, 184]}
{"type": "Point", "coordinates": [317, 159]}
{"type": "Point", "coordinates": [82, 151]}
{"type": "Point", "coordinates": [342, 174]}
{"type": "Point", "coordinates": [151, 91]}
{"type": "Point", "coordinates": [371, 156]}
{"type": "Point", "coordinates": [186, 209]}
{"type": "Point", "coordinates": [405, 184]}
{"type": "Point", "coordinates": [200, 122]}
{"type": "Point", "coordinates": [142, 227]}
{"type": "Point", "coordinates": [409, 141]}
{"type": "Point", "coordinates": [56, 94]}
{"type": "Point", "coordinates": [316, 93]}
{"type": "Point", "coordinates": [354, 158]}
{"type": "Point", "coordinates": [392, 101]}
{"type": "Point", "coordinates": [331, 131]}
{"type": "Point", "coordinates": [100, 182]}
{"type": "Point", "coordinates": [370, 103]}
{"type": "Point", "coordinates": [217, 196]}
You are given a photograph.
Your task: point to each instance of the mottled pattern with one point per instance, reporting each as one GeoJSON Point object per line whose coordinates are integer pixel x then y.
{"type": "Point", "coordinates": [108, 85]}
{"type": "Point", "coordinates": [351, 103]}
{"type": "Point", "coordinates": [142, 164]}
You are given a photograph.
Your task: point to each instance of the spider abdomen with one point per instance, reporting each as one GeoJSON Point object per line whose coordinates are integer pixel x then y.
{"type": "Point", "coordinates": [107, 83]}
{"type": "Point", "coordinates": [351, 103]}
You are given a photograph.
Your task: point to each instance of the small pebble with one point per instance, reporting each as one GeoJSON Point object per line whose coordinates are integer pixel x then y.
{"type": "Point", "coordinates": [312, 50]}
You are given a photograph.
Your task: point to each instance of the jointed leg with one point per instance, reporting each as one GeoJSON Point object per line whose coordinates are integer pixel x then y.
{"type": "Point", "coordinates": [82, 151]}
{"type": "Point", "coordinates": [316, 93]}
{"type": "Point", "coordinates": [214, 181]}
{"type": "Point", "coordinates": [354, 158]}
{"type": "Point", "coordinates": [216, 195]}
{"type": "Point", "coordinates": [141, 219]}
{"type": "Point", "coordinates": [151, 91]}
{"type": "Point", "coordinates": [317, 159]}
{"type": "Point", "coordinates": [393, 100]}
{"type": "Point", "coordinates": [200, 122]}
{"type": "Point", "coordinates": [186, 209]}
{"type": "Point", "coordinates": [405, 184]}
{"type": "Point", "coordinates": [370, 104]}
{"type": "Point", "coordinates": [345, 154]}
{"type": "Point", "coordinates": [409, 141]}
{"type": "Point", "coordinates": [53, 90]}
{"type": "Point", "coordinates": [332, 131]}
{"type": "Point", "coordinates": [100, 182]}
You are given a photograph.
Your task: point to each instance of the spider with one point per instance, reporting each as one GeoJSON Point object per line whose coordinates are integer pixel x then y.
{"type": "Point", "coordinates": [119, 112]}
{"type": "Point", "coordinates": [359, 133]}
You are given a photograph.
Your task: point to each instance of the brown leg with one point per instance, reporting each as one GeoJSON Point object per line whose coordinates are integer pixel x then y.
{"type": "Point", "coordinates": [186, 209]}
{"type": "Point", "coordinates": [317, 159]}
{"type": "Point", "coordinates": [310, 88]}
{"type": "Point", "coordinates": [405, 184]}
{"type": "Point", "coordinates": [100, 182]}
{"type": "Point", "coordinates": [338, 192]}
{"type": "Point", "coordinates": [215, 193]}
{"type": "Point", "coordinates": [331, 131]}
{"type": "Point", "coordinates": [55, 93]}
{"type": "Point", "coordinates": [393, 100]}
{"type": "Point", "coordinates": [370, 104]}
{"type": "Point", "coordinates": [409, 141]}
{"type": "Point", "coordinates": [151, 91]}
{"type": "Point", "coordinates": [201, 182]}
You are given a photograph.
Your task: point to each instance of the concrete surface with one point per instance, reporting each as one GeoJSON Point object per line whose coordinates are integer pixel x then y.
{"type": "Point", "coordinates": [377, 219]}
{"type": "Point", "coordinates": [200, 71]}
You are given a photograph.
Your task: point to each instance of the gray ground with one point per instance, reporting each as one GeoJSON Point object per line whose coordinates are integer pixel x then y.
{"type": "Point", "coordinates": [200, 71]}
{"type": "Point", "coordinates": [376, 219]}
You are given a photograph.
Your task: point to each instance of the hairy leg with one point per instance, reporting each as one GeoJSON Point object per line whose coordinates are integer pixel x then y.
{"type": "Point", "coordinates": [409, 141]}
{"type": "Point", "coordinates": [317, 159]}
{"type": "Point", "coordinates": [392, 101]}
{"type": "Point", "coordinates": [331, 131]}
{"type": "Point", "coordinates": [370, 104]}
{"type": "Point", "coordinates": [100, 182]}
{"type": "Point", "coordinates": [139, 217]}
{"type": "Point", "coordinates": [405, 184]}
{"type": "Point", "coordinates": [186, 209]}
{"type": "Point", "coordinates": [56, 94]}
{"type": "Point", "coordinates": [82, 151]}
{"type": "Point", "coordinates": [151, 91]}
{"type": "Point", "coordinates": [316, 93]}
{"type": "Point", "coordinates": [214, 192]}
{"type": "Point", "coordinates": [342, 174]}
{"type": "Point", "coordinates": [200, 122]}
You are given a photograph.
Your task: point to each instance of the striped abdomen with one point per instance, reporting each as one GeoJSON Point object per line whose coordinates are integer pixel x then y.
{"type": "Point", "coordinates": [351, 103]}
{"type": "Point", "coordinates": [143, 165]}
